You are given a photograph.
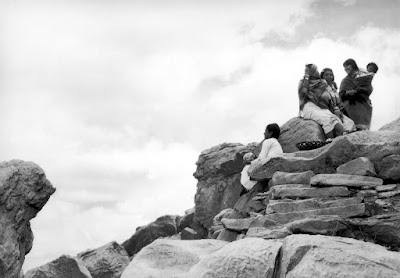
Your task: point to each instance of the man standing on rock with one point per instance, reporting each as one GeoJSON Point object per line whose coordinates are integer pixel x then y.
{"type": "Point", "coordinates": [270, 147]}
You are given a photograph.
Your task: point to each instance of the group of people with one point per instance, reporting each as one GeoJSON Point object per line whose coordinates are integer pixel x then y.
{"type": "Point", "coordinates": [338, 111]}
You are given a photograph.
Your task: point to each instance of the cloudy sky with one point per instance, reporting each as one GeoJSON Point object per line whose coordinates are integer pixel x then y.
{"type": "Point", "coordinates": [115, 100]}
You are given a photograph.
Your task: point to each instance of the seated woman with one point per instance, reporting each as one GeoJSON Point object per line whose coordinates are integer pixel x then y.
{"type": "Point", "coordinates": [355, 90]}
{"type": "Point", "coordinates": [319, 103]}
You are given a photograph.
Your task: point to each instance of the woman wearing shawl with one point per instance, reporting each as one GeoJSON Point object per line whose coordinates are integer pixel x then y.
{"type": "Point", "coordinates": [319, 103]}
{"type": "Point", "coordinates": [354, 91]}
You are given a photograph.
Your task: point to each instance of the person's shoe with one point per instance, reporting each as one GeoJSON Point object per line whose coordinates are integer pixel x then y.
{"type": "Point", "coordinates": [329, 140]}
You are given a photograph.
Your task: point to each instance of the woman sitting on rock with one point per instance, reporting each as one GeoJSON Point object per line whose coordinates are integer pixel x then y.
{"type": "Point", "coordinates": [318, 102]}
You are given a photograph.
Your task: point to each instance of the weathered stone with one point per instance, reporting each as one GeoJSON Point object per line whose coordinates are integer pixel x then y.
{"type": "Point", "coordinates": [380, 147]}
{"type": "Point", "coordinates": [297, 130]}
{"type": "Point", "coordinates": [218, 174]}
{"type": "Point", "coordinates": [167, 258]}
{"type": "Point", "coordinates": [361, 166]}
{"type": "Point", "coordinates": [323, 225]}
{"type": "Point", "coordinates": [189, 234]}
{"type": "Point", "coordinates": [389, 194]}
{"type": "Point", "coordinates": [227, 235]}
{"type": "Point", "coordinates": [393, 126]}
{"type": "Point", "coordinates": [24, 190]}
{"type": "Point", "coordinates": [163, 226]}
{"type": "Point", "coordinates": [309, 204]}
{"type": "Point", "coordinates": [249, 257]}
{"type": "Point", "coordinates": [279, 177]}
{"type": "Point", "coordinates": [266, 233]}
{"type": "Point", "coordinates": [237, 225]}
{"type": "Point", "coordinates": [186, 220]}
{"type": "Point", "coordinates": [108, 261]}
{"type": "Point", "coordinates": [386, 187]}
{"type": "Point", "coordinates": [310, 256]}
{"type": "Point", "coordinates": [247, 204]}
{"type": "Point", "coordinates": [282, 192]}
{"type": "Point", "coordinates": [344, 211]}
{"type": "Point", "coordinates": [63, 267]}
{"type": "Point", "coordinates": [322, 180]}
{"type": "Point", "coordinates": [367, 193]}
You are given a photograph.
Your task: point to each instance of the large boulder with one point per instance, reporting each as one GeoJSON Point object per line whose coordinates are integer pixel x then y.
{"type": "Point", "coordinates": [164, 226]}
{"type": "Point", "coordinates": [394, 126]}
{"type": "Point", "coordinates": [63, 267]}
{"type": "Point", "coordinates": [297, 130]}
{"type": "Point", "coordinates": [218, 174]}
{"type": "Point", "coordinates": [167, 258]}
{"type": "Point", "coordinates": [24, 190]}
{"type": "Point", "coordinates": [323, 256]}
{"type": "Point", "coordinates": [382, 148]}
{"type": "Point", "coordinates": [107, 261]}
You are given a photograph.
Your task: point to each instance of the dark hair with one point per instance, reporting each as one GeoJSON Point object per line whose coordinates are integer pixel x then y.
{"type": "Point", "coordinates": [327, 69]}
{"type": "Point", "coordinates": [274, 128]}
{"type": "Point", "coordinates": [375, 67]}
{"type": "Point", "coordinates": [352, 63]}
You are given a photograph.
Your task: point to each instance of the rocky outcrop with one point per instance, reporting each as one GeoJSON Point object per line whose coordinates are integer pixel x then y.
{"type": "Point", "coordinates": [63, 267]}
{"type": "Point", "coordinates": [382, 148]}
{"type": "Point", "coordinates": [164, 226]}
{"type": "Point", "coordinates": [298, 130]}
{"type": "Point", "coordinates": [393, 126]}
{"type": "Point", "coordinates": [107, 261]}
{"type": "Point", "coordinates": [24, 190]}
{"type": "Point", "coordinates": [218, 174]}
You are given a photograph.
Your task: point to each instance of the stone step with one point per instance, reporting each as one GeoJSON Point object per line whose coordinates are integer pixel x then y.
{"type": "Point", "coordinates": [265, 233]}
{"type": "Point", "coordinates": [326, 180]}
{"type": "Point", "coordinates": [237, 225]}
{"type": "Point", "coordinates": [283, 218]}
{"type": "Point", "coordinates": [279, 178]}
{"type": "Point", "coordinates": [361, 166]}
{"type": "Point", "coordinates": [388, 194]}
{"type": "Point", "coordinates": [309, 204]}
{"type": "Point", "coordinates": [386, 187]}
{"type": "Point", "coordinates": [278, 192]}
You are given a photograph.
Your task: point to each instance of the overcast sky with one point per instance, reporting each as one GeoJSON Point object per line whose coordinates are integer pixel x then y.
{"type": "Point", "coordinates": [116, 99]}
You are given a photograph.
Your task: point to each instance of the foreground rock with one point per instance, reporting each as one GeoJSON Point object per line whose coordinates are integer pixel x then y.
{"type": "Point", "coordinates": [167, 258]}
{"type": "Point", "coordinates": [108, 261]}
{"type": "Point", "coordinates": [380, 147]}
{"type": "Point", "coordinates": [24, 190]}
{"type": "Point", "coordinates": [164, 226]}
{"type": "Point", "coordinates": [63, 267]}
{"type": "Point", "coordinates": [309, 256]}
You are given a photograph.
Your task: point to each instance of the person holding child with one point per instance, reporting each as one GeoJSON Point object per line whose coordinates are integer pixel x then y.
{"type": "Point", "coordinates": [355, 90]}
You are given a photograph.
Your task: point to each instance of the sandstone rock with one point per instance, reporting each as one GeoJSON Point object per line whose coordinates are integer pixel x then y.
{"type": "Point", "coordinates": [309, 204]}
{"type": "Point", "coordinates": [389, 194]}
{"type": "Point", "coordinates": [218, 174]}
{"type": "Point", "coordinates": [279, 178]}
{"type": "Point", "coordinates": [367, 193]}
{"type": "Point", "coordinates": [186, 220]}
{"type": "Point", "coordinates": [247, 203]}
{"type": "Point", "coordinates": [163, 226]}
{"type": "Point", "coordinates": [293, 193]}
{"type": "Point", "coordinates": [361, 166]}
{"type": "Point", "coordinates": [330, 225]}
{"type": "Point", "coordinates": [24, 190]}
{"type": "Point", "coordinates": [266, 233]}
{"type": "Point", "coordinates": [380, 147]}
{"type": "Point", "coordinates": [344, 211]}
{"type": "Point", "coordinates": [344, 180]}
{"type": "Point", "coordinates": [322, 256]}
{"type": "Point", "coordinates": [237, 225]}
{"type": "Point", "coordinates": [189, 234]}
{"type": "Point", "coordinates": [227, 235]}
{"type": "Point", "coordinates": [297, 130]}
{"type": "Point", "coordinates": [393, 126]}
{"type": "Point", "coordinates": [108, 261]}
{"type": "Point", "coordinates": [166, 258]}
{"type": "Point", "coordinates": [386, 187]}
{"type": "Point", "coordinates": [249, 257]}
{"type": "Point", "coordinates": [63, 267]}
